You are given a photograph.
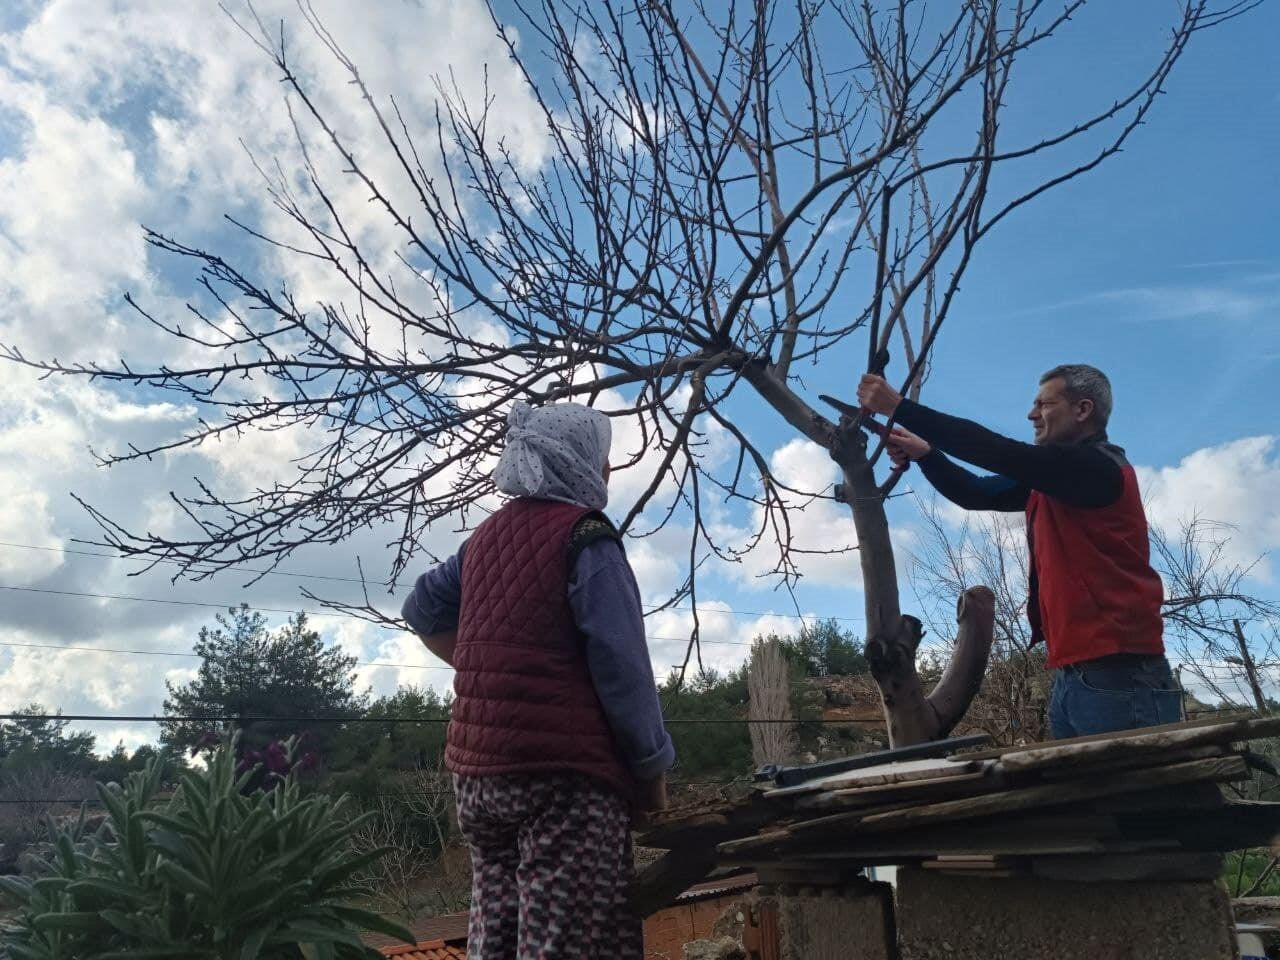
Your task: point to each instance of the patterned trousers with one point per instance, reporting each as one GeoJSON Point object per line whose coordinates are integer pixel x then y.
{"type": "Point", "coordinates": [551, 869]}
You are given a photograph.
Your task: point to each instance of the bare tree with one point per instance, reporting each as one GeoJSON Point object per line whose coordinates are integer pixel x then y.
{"type": "Point", "coordinates": [1223, 637]}
{"type": "Point", "coordinates": [718, 199]}
{"type": "Point", "coordinates": [413, 819]}
{"type": "Point", "coordinates": [27, 801]}
{"type": "Point", "coordinates": [773, 736]}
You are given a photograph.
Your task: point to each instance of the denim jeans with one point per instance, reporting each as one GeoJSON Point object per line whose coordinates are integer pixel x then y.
{"type": "Point", "coordinates": [1118, 692]}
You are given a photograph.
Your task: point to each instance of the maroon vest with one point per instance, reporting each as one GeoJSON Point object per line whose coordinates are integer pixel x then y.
{"type": "Point", "coordinates": [1095, 592]}
{"type": "Point", "coordinates": [524, 700]}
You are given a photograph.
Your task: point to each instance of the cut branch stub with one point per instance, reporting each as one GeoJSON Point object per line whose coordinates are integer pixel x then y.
{"type": "Point", "coordinates": [975, 619]}
{"type": "Point", "coordinates": [911, 715]}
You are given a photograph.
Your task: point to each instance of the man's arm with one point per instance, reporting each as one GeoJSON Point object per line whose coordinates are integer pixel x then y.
{"type": "Point", "coordinates": [970, 491]}
{"type": "Point", "coordinates": [432, 608]}
{"type": "Point", "coordinates": [1079, 474]}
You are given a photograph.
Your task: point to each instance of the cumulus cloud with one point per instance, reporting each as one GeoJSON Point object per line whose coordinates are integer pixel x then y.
{"type": "Point", "coordinates": [1235, 483]}
{"type": "Point", "coordinates": [821, 530]}
{"type": "Point", "coordinates": [149, 115]}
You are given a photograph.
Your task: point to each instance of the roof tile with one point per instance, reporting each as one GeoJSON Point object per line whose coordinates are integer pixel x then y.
{"type": "Point", "coordinates": [427, 950]}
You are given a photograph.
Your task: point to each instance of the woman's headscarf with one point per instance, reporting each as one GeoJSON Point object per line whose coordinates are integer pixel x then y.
{"type": "Point", "coordinates": [556, 452]}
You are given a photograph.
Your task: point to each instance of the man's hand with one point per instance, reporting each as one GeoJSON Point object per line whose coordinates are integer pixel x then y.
{"type": "Point", "coordinates": [904, 446]}
{"type": "Point", "coordinates": [876, 395]}
{"type": "Point", "coordinates": [651, 796]}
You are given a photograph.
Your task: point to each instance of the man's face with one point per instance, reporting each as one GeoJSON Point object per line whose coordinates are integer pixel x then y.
{"type": "Point", "coordinates": [1055, 418]}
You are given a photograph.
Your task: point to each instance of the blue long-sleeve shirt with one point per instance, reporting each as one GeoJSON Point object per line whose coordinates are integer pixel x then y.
{"type": "Point", "coordinates": [605, 601]}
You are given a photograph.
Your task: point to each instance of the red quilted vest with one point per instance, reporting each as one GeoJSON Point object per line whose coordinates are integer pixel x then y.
{"type": "Point", "coordinates": [1096, 592]}
{"type": "Point", "coordinates": [523, 697]}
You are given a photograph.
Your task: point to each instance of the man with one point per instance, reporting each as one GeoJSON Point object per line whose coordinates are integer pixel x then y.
{"type": "Point", "coordinates": [1094, 597]}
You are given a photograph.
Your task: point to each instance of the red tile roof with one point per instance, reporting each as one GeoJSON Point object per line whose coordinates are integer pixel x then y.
{"type": "Point", "coordinates": [445, 937]}
{"type": "Point", "coordinates": [451, 928]}
{"type": "Point", "coordinates": [718, 887]}
{"type": "Point", "coordinates": [428, 950]}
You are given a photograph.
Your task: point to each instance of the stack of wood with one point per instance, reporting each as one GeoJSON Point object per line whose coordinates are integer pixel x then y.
{"type": "Point", "coordinates": [1115, 806]}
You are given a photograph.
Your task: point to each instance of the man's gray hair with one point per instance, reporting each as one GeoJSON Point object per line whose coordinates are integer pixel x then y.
{"type": "Point", "coordinates": [1085, 383]}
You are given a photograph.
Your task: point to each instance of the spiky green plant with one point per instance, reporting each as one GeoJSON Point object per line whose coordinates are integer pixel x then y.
{"type": "Point", "coordinates": [211, 873]}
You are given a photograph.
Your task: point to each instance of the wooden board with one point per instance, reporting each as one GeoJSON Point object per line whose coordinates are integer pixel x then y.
{"type": "Point", "coordinates": [886, 773]}
{"type": "Point", "coordinates": [1205, 797]}
{"type": "Point", "coordinates": [915, 791]}
{"type": "Point", "coordinates": [1114, 750]}
{"type": "Point", "coordinates": [842, 836]}
{"type": "Point", "coordinates": [1234, 826]}
{"type": "Point", "coordinates": [1129, 867]}
{"type": "Point", "coordinates": [669, 876]}
{"type": "Point", "coordinates": [870, 851]}
{"type": "Point", "coordinates": [708, 826]}
{"type": "Point", "coordinates": [1056, 794]}
{"type": "Point", "coordinates": [1252, 729]}
{"type": "Point", "coordinates": [1129, 761]}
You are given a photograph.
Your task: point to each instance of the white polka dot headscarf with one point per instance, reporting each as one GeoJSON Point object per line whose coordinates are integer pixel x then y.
{"type": "Point", "coordinates": [556, 452]}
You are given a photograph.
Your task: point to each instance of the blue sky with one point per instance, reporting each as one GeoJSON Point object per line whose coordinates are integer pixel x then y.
{"type": "Point", "coordinates": [1162, 267]}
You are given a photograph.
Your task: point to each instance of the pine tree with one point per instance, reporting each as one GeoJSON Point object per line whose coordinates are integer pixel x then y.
{"type": "Point", "coordinates": [247, 671]}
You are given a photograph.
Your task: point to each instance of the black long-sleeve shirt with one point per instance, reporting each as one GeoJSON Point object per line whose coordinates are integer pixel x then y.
{"type": "Point", "coordinates": [1086, 474]}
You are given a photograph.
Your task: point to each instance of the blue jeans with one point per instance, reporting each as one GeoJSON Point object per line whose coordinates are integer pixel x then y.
{"type": "Point", "coordinates": [1119, 692]}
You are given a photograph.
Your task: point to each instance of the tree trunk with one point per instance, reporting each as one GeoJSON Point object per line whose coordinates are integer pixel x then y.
{"type": "Point", "coordinates": [893, 638]}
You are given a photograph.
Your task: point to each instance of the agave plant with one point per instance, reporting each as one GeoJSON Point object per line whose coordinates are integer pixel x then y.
{"type": "Point", "coordinates": [211, 873]}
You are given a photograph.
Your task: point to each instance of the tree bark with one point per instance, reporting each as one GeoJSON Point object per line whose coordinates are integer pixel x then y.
{"type": "Point", "coordinates": [1250, 670]}
{"type": "Point", "coordinates": [892, 638]}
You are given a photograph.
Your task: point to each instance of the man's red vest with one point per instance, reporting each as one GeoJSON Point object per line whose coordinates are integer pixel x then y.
{"type": "Point", "coordinates": [1094, 592]}
{"type": "Point", "coordinates": [524, 700]}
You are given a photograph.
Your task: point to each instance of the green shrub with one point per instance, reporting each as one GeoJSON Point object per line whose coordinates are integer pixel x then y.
{"type": "Point", "coordinates": [211, 873]}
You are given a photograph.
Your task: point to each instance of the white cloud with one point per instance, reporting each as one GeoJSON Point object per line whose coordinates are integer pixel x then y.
{"type": "Point", "coordinates": [725, 634]}
{"type": "Point", "coordinates": [1234, 483]}
{"type": "Point", "coordinates": [817, 523]}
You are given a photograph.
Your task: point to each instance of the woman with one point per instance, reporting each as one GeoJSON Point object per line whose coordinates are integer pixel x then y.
{"type": "Point", "coordinates": [556, 735]}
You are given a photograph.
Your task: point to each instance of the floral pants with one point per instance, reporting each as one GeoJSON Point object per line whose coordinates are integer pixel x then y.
{"type": "Point", "coordinates": [551, 869]}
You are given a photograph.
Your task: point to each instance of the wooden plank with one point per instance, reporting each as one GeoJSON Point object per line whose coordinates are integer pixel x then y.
{"type": "Point", "coordinates": [1128, 761]}
{"type": "Point", "coordinates": [883, 802]}
{"type": "Point", "coordinates": [915, 791]}
{"type": "Point", "coordinates": [1266, 727]}
{"type": "Point", "coordinates": [1113, 750]}
{"type": "Point", "coordinates": [1234, 826]}
{"type": "Point", "coordinates": [902, 772]}
{"type": "Point", "coordinates": [1190, 796]}
{"type": "Point", "coordinates": [1020, 835]}
{"type": "Point", "coordinates": [658, 884]}
{"type": "Point", "coordinates": [1057, 794]}
{"type": "Point", "coordinates": [792, 776]}
{"type": "Point", "coordinates": [876, 851]}
{"type": "Point", "coordinates": [1129, 867]}
{"type": "Point", "coordinates": [807, 874]}
{"type": "Point", "coordinates": [707, 826]}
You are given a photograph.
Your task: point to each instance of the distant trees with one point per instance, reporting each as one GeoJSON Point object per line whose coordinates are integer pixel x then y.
{"type": "Point", "coordinates": [276, 678]}
{"type": "Point", "coordinates": [42, 741]}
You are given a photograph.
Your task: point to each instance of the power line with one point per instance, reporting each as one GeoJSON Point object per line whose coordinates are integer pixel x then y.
{"type": "Point", "coordinates": [84, 595]}
{"type": "Point", "coordinates": [446, 790]}
{"type": "Point", "coordinates": [815, 618]}
{"type": "Point", "coordinates": [229, 718]}
{"type": "Point", "coordinates": [172, 653]}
